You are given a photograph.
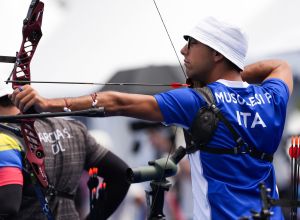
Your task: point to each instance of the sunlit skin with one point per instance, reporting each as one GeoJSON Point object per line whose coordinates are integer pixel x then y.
{"type": "Point", "coordinates": [198, 60]}
{"type": "Point", "coordinates": [205, 65]}
{"type": "Point", "coordinates": [11, 110]}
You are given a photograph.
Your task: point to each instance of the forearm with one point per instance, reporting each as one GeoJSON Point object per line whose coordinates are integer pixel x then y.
{"type": "Point", "coordinates": [258, 72]}
{"type": "Point", "coordinates": [114, 103]}
{"type": "Point", "coordinates": [113, 170]}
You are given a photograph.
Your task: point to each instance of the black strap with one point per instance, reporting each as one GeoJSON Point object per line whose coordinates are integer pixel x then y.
{"type": "Point", "coordinates": [7, 59]}
{"type": "Point", "coordinates": [41, 197]}
{"type": "Point", "coordinates": [285, 203]}
{"type": "Point", "coordinates": [253, 152]}
{"type": "Point", "coordinates": [209, 99]}
{"type": "Point", "coordinates": [52, 192]}
{"type": "Point", "coordinates": [57, 193]}
{"type": "Point", "coordinates": [14, 130]}
{"type": "Point", "coordinates": [241, 146]}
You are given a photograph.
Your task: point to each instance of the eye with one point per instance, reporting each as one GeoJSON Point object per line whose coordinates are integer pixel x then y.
{"type": "Point", "coordinates": [191, 41]}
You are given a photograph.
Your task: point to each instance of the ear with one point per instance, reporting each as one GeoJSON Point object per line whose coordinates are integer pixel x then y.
{"type": "Point", "coordinates": [217, 56]}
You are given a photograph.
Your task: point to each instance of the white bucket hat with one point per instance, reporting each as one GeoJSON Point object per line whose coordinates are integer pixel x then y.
{"type": "Point", "coordinates": [227, 39]}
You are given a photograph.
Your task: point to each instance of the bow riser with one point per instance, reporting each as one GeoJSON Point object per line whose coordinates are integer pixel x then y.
{"type": "Point", "coordinates": [35, 153]}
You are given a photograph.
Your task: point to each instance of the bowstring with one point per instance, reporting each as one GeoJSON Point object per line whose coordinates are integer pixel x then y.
{"type": "Point", "coordinates": [175, 132]}
{"type": "Point", "coordinates": [170, 39]}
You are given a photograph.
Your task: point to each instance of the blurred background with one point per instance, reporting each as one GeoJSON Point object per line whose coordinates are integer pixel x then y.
{"type": "Point", "coordinates": [125, 41]}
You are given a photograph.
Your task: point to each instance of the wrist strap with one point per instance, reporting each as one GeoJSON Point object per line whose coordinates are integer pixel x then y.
{"type": "Point", "coordinates": [95, 101]}
{"type": "Point", "coordinates": [67, 106]}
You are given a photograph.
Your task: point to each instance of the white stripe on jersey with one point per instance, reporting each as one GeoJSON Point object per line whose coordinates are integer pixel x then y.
{"type": "Point", "coordinates": [199, 188]}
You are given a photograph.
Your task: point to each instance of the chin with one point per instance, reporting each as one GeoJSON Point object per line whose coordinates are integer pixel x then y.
{"type": "Point", "coordinates": [192, 76]}
{"type": "Point", "coordinates": [189, 74]}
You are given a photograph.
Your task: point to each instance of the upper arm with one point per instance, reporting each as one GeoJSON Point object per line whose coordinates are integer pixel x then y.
{"type": "Point", "coordinates": [11, 181]}
{"type": "Point", "coordinates": [10, 199]}
{"type": "Point", "coordinates": [10, 151]}
{"type": "Point", "coordinates": [132, 105]}
{"type": "Point", "coordinates": [148, 108]}
{"type": "Point", "coordinates": [10, 161]}
{"type": "Point", "coordinates": [179, 106]}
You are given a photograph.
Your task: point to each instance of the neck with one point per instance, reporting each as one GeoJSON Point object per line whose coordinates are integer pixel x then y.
{"type": "Point", "coordinates": [227, 74]}
{"type": "Point", "coordinates": [216, 74]}
{"type": "Point", "coordinates": [9, 110]}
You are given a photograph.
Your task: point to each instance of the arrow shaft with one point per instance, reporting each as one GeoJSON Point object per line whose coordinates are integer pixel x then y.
{"type": "Point", "coordinates": [90, 83]}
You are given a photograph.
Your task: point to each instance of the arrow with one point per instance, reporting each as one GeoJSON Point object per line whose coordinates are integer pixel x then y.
{"type": "Point", "coordinates": [173, 85]}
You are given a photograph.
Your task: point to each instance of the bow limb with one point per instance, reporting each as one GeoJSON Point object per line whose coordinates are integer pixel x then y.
{"type": "Point", "coordinates": [32, 34]}
{"type": "Point", "coordinates": [21, 72]}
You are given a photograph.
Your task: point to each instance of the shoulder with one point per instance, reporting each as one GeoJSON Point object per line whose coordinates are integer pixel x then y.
{"type": "Point", "coordinates": [185, 96]}
{"type": "Point", "coordinates": [179, 106]}
{"type": "Point", "coordinates": [10, 151]}
{"type": "Point", "coordinates": [60, 127]}
{"type": "Point", "coordinates": [9, 142]}
{"type": "Point", "coordinates": [58, 123]}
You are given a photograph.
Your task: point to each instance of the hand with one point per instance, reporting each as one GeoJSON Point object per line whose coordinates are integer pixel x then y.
{"type": "Point", "coordinates": [25, 97]}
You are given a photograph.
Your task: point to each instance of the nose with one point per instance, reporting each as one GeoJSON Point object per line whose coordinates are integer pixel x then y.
{"type": "Point", "coordinates": [184, 50]}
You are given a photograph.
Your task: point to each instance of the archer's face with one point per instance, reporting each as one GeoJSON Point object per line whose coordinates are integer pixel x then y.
{"type": "Point", "coordinates": [198, 60]}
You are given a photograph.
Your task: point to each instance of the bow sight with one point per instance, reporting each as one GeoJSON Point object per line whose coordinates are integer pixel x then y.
{"type": "Point", "coordinates": [157, 171]}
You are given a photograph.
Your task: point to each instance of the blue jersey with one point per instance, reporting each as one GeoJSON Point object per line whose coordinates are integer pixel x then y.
{"type": "Point", "coordinates": [225, 186]}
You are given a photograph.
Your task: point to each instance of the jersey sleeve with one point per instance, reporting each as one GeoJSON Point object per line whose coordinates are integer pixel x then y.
{"type": "Point", "coordinates": [10, 152]}
{"type": "Point", "coordinates": [10, 175]}
{"type": "Point", "coordinates": [179, 106]}
{"type": "Point", "coordinates": [278, 89]}
{"type": "Point", "coordinates": [10, 161]}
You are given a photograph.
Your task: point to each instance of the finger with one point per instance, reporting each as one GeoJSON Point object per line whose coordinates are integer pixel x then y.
{"type": "Point", "coordinates": [25, 101]}
{"type": "Point", "coordinates": [28, 105]}
{"type": "Point", "coordinates": [16, 92]}
{"type": "Point", "coordinates": [13, 95]}
{"type": "Point", "coordinates": [19, 94]}
{"type": "Point", "coordinates": [16, 99]}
